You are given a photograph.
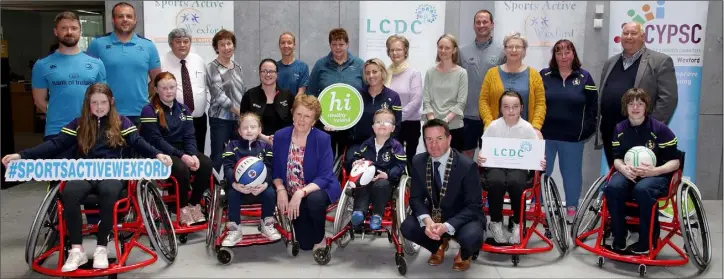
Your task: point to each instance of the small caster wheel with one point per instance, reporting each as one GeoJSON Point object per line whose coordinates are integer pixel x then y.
{"type": "Point", "coordinates": [601, 261]}
{"type": "Point", "coordinates": [183, 238]}
{"type": "Point", "coordinates": [516, 260]}
{"type": "Point", "coordinates": [113, 276]}
{"type": "Point", "coordinates": [322, 256]}
{"type": "Point", "coordinates": [548, 234]}
{"type": "Point", "coordinates": [642, 270]}
{"type": "Point", "coordinates": [379, 234]}
{"type": "Point", "coordinates": [293, 249]}
{"type": "Point", "coordinates": [401, 264]}
{"type": "Point", "coordinates": [225, 255]}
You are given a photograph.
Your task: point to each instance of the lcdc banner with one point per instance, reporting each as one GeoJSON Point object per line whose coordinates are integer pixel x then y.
{"type": "Point", "coordinates": [86, 169]}
{"type": "Point", "coordinates": [677, 29]}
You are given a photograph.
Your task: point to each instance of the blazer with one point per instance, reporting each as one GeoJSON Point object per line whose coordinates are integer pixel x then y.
{"type": "Point", "coordinates": [463, 202]}
{"type": "Point", "coordinates": [657, 76]}
{"type": "Point", "coordinates": [318, 160]}
{"type": "Point", "coordinates": [493, 88]}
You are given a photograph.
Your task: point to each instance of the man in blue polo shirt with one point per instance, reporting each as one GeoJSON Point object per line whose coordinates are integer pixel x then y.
{"type": "Point", "coordinates": [129, 59]}
{"type": "Point", "coordinates": [60, 79]}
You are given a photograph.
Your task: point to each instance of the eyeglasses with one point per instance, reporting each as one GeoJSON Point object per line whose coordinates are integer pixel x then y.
{"type": "Point", "coordinates": [384, 123]}
{"type": "Point", "coordinates": [269, 72]}
{"type": "Point", "coordinates": [515, 47]}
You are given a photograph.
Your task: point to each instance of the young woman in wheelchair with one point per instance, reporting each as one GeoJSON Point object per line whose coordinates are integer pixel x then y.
{"type": "Point", "coordinates": [99, 133]}
{"type": "Point", "coordinates": [644, 184]}
{"type": "Point", "coordinates": [389, 159]}
{"type": "Point", "coordinates": [497, 181]}
{"type": "Point", "coordinates": [168, 126]}
{"type": "Point", "coordinates": [250, 144]}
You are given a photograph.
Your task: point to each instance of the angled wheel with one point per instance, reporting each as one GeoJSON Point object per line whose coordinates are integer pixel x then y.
{"type": "Point", "coordinates": [343, 216]}
{"type": "Point", "coordinates": [694, 226]}
{"type": "Point", "coordinates": [404, 210]}
{"type": "Point", "coordinates": [555, 214]}
{"type": "Point", "coordinates": [587, 216]}
{"type": "Point", "coordinates": [214, 211]}
{"type": "Point", "coordinates": [43, 234]}
{"type": "Point", "coordinates": [157, 221]}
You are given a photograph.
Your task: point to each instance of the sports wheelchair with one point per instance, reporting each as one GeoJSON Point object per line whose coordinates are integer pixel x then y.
{"type": "Point", "coordinates": [551, 215]}
{"type": "Point", "coordinates": [139, 211]}
{"type": "Point", "coordinates": [684, 199]}
{"type": "Point", "coordinates": [169, 189]}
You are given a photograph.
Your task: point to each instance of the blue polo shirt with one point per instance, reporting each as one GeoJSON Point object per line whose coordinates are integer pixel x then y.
{"type": "Point", "coordinates": [127, 65]}
{"type": "Point", "coordinates": [293, 76]}
{"type": "Point", "coordinates": [66, 77]}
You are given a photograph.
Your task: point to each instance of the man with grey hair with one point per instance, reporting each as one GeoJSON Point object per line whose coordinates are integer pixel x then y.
{"type": "Point", "coordinates": [636, 66]}
{"type": "Point", "coordinates": [190, 71]}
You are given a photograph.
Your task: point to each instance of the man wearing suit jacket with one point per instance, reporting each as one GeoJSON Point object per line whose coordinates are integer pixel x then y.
{"type": "Point", "coordinates": [636, 66]}
{"type": "Point", "coordinates": [445, 198]}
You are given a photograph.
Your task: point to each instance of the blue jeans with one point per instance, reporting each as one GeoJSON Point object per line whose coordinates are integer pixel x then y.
{"type": "Point", "coordinates": [222, 131]}
{"type": "Point", "coordinates": [268, 200]}
{"type": "Point", "coordinates": [644, 191]}
{"type": "Point", "coordinates": [570, 163]}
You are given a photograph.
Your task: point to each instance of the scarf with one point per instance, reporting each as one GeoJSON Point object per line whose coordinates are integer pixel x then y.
{"type": "Point", "coordinates": [395, 69]}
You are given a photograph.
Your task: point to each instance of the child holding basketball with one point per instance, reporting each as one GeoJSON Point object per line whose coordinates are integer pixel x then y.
{"type": "Point", "coordinates": [389, 159]}
{"type": "Point", "coordinates": [497, 181]}
{"type": "Point", "coordinates": [250, 144]}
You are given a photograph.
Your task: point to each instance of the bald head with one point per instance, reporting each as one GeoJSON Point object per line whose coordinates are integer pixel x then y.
{"type": "Point", "coordinates": [632, 37]}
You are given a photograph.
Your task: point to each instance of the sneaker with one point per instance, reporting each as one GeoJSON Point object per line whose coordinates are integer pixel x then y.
{"type": "Point", "coordinates": [196, 215]}
{"type": "Point", "coordinates": [234, 235]}
{"type": "Point", "coordinates": [571, 212]}
{"type": "Point", "coordinates": [76, 258]}
{"type": "Point", "coordinates": [186, 218]}
{"type": "Point", "coordinates": [496, 230]}
{"type": "Point", "coordinates": [268, 229]}
{"type": "Point", "coordinates": [100, 258]}
{"type": "Point", "coordinates": [515, 234]}
{"type": "Point", "coordinates": [375, 222]}
{"type": "Point", "coordinates": [639, 248]}
{"type": "Point", "coordinates": [357, 218]}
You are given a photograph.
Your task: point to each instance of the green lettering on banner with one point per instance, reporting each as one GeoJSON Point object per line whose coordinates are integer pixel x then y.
{"type": "Point", "coordinates": [341, 106]}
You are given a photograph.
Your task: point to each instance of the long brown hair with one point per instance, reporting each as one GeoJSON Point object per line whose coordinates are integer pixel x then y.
{"type": "Point", "coordinates": [87, 123]}
{"type": "Point", "coordinates": [156, 100]}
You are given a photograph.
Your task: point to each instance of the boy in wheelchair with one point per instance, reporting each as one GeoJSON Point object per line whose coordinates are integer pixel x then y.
{"type": "Point", "coordinates": [645, 183]}
{"type": "Point", "coordinates": [497, 181]}
{"type": "Point", "coordinates": [249, 145]}
{"type": "Point", "coordinates": [389, 160]}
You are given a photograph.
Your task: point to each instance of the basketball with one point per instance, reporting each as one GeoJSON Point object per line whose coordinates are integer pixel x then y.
{"type": "Point", "coordinates": [362, 173]}
{"type": "Point", "coordinates": [250, 171]}
{"type": "Point", "coordinates": [638, 155]}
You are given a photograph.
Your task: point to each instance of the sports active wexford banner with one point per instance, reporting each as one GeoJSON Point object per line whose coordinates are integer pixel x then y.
{"type": "Point", "coordinates": [86, 169]}
{"type": "Point", "coordinates": [677, 29]}
{"type": "Point", "coordinates": [510, 153]}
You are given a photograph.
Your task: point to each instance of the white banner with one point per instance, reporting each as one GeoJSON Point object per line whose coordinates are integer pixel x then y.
{"type": "Point", "coordinates": [201, 18]}
{"type": "Point", "coordinates": [422, 23]}
{"type": "Point", "coordinates": [510, 153]}
{"type": "Point", "coordinates": [86, 169]}
{"type": "Point", "coordinates": [542, 23]}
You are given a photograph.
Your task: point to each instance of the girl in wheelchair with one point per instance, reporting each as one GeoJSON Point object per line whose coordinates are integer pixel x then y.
{"type": "Point", "coordinates": [645, 183]}
{"type": "Point", "coordinates": [389, 159]}
{"type": "Point", "coordinates": [168, 126]}
{"type": "Point", "coordinates": [497, 181]}
{"type": "Point", "coordinates": [250, 144]}
{"type": "Point", "coordinates": [99, 133]}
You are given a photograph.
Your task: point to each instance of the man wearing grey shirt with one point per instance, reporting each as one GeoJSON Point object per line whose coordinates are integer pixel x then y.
{"type": "Point", "coordinates": [477, 58]}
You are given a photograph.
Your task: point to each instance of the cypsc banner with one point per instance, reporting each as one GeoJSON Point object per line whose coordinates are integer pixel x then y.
{"type": "Point", "coordinates": [86, 169]}
{"type": "Point", "coordinates": [422, 23]}
{"type": "Point", "coordinates": [523, 154]}
{"type": "Point", "coordinates": [677, 29]}
{"type": "Point", "coordinates": [201, 18]}
{"type": "Point", "coordinates": [342, 106]}
{"type": "Point", "coordinates": [542, 23]}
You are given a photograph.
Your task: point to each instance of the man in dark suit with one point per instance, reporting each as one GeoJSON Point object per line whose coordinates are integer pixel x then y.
{"type": "Point", "coordinates": [445, 198]}
{"type": "Point", "coordinates": [636, 66]}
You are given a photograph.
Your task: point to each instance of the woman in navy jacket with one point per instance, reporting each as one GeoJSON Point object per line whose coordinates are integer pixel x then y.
{"type": "Point", "coordinates": [571, 99]}
{"type": "Point", "coordinates": [303, 175]}
{"type": "Point", "coordinates": [99, 133]}
{"type": "Point", "coordinates": [168, 125]}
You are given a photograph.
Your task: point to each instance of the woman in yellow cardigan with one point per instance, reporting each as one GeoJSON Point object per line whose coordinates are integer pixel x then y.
{"type": "Point", "coordinates": [516, 76]}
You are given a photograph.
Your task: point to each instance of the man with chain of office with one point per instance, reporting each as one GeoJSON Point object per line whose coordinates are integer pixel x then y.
{"type": "Point", "coordinates": [445, 198]}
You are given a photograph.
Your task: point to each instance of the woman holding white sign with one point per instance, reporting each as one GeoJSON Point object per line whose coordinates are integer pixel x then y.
{"type": "Point", "coordinates": [99, 133]}
{"type": "Point", "coordinates": [497, 181]}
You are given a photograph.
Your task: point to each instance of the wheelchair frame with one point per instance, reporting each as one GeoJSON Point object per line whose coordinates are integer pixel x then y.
{"type": "Point", "coordinates": [184, 230]}
{"type": "Point", "coordinates": [50, 216]}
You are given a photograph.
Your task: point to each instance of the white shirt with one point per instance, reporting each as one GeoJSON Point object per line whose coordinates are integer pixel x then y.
{"type": "Point", "coordinates": [197, 73]}
{"type": "Point", "coordinates": [499, 129]}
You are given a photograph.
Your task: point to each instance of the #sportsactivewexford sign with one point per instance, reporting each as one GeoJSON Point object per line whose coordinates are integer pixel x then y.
{"type": "Point", "coordinates": [86, 169]}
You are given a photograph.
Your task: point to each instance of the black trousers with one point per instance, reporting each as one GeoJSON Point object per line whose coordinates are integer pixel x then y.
{"type": "Point", "coordinates": [378, 192]}
{"type": "Point", "coordinates": [470, 236]}
{"type": "Point", "coordinates": [200, 129]}
{"type": "Point", "coordinates": [75, 192]}
{"type": "Point", "coordinates": [309, 225]}
{"type": "Point", "coordinates": [409, 136]}
{"type": "Point", "coordinates": [458, 139]}
{"type": "Point", "coordinates": [202, 179]}
{"type": "Point", "coordinates": [497, 182]}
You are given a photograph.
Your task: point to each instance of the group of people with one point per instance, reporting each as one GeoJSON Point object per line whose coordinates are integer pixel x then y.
{"type": "Point", "coordinates": [483, 89]}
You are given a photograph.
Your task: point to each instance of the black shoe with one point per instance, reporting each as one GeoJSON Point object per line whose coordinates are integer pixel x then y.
{"type": "Point", "coordinates": [639, 248]}
{"type": "Point", "coordinates": [618, 249]}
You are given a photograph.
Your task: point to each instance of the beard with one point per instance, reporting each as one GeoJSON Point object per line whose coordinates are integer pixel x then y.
{"type": "Point", "coordinates": [119, 29]}
{"type": "Point", "coordinates": [69, 41]}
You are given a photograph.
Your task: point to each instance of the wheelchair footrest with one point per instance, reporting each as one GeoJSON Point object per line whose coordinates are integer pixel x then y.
{"type": "Point", "coordinates": [89, 264]}
{"type": "Point", "coordinates": [492, 242]}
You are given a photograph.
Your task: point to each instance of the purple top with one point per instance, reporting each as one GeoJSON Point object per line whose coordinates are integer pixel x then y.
{"type": "Point", "coordinates": [408, 85]}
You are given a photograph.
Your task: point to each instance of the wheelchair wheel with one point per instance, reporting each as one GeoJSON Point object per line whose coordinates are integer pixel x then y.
{"type": "Point", "coordinates": [44, 230]}
{"type": "Point", "coordinates": [694, 226]}
{"type": "Point", "coordinates": [555, 214]}
{"type": "Point", "coordinates": [157, 221]}
{"type": "Point", "coordinates": [214, 212]}
{"type": "Point", "coordinates": [292, 244]}
{"type": "Point", "coordinates": [343, 216]}
{"type": "Point", "coordinates": [338, 164]}
{"type": "Point", "coordinates": [587, 216]}
{"type": "Point", "coordinates": [404, 210]}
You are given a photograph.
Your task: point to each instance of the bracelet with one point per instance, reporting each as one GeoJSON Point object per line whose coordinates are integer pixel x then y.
{"type": "Point", "coordinates": [282, 189]}
{"type": "Point", "coordinates": [305, 192]}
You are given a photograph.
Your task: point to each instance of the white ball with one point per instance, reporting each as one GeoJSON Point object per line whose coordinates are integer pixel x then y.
{"type": "Point", "coordinates": [638, 155]}
{"type": "Point", "coordinates": [250, 171]}
{"type": "Point", "coordinates": [362, 173]}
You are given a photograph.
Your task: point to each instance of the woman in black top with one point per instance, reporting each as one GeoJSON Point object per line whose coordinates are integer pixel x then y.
{"type": "Point", "coordinates": [271, 103]}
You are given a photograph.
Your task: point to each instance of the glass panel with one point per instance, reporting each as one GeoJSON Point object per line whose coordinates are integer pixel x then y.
{"type": "Point", "coordinates": [91, 27]}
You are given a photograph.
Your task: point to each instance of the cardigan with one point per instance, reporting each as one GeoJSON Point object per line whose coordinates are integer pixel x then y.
{"type": "Point", "coordinates": [493, 88]}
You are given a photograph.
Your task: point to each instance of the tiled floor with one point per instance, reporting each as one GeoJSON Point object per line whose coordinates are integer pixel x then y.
{"type": "Point", "coordinates": [364, 258]}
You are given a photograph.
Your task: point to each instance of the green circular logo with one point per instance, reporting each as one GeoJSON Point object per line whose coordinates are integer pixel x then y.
{"type": "Point", "coordinates": [341, 106]}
